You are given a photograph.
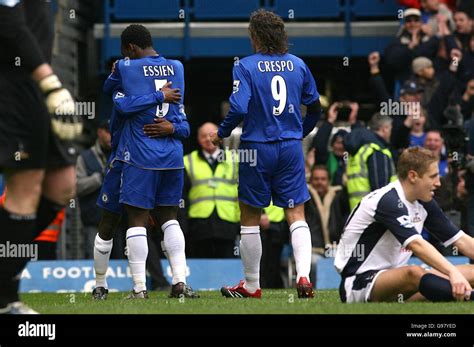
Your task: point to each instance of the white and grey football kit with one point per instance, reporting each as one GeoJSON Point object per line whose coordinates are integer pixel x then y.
{"type": "Point", "coordinates": [376, 236]}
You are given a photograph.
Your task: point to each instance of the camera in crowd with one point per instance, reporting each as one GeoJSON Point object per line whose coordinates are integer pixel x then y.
{"type": "Point", "coordinates": [344, 110]}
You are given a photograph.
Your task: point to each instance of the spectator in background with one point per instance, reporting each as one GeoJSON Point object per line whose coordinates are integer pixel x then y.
{"type": "Point", "coordinates": [408, 129]}
{"type": "Point", "coordinates": [417, 3]}
{"type": "Point", "coordinates": [466, 59]}
{"type": "Point", "coordinates": [335, 158]}
{"type": "Point", "coordinates": [425, 78]}
{"type": "Point", "coordinates": [434, 12]}
{"type": "Point", "coordinates": [462, 34]}
{"type": "Point", "coordinates": [211, 192]}
{"type": "Point", "coordinates": [467, 100]}
{"type": "Point", "coordinates": [326, 212]}
{"type": "Point", "coordinates": [370, 163]}
{"type": "Point", "coordinates": [90, 169]}
{"type": "Point", "coordinates": [275, 234]}
{"type": "Point", "coordinates": [469, 179]}
{"type": "Point", "coordinates": [443, 107]}
{"type": "Point", "coordinates": [410, 43]}
{"type": "Point", "coordinates": [435, 142]}
{"type": "Point", "coordinates": [416, 124]}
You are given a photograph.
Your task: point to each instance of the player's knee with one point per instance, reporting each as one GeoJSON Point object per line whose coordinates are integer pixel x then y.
{"type": "Point", "coordinates": [414, 274]}
{"type": "Point", "coordinates": [23, 195]}
{"type": "Point", "coordinates": [60, 185]}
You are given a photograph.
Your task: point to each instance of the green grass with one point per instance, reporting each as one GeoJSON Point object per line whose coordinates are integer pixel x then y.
{"type": "Point", "coordinates": [282, 301]}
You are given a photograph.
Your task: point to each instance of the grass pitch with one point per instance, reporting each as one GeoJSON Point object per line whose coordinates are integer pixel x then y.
{"type": "Point", "coordinates": [282, 301]}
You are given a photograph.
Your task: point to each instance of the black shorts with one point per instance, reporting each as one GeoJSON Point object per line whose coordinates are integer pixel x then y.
{"type": "Point", "coordinates": [26, 139]}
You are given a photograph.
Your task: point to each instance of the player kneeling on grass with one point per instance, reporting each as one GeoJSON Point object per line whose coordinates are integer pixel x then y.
{"type": "Point", "coordinates": [384, 230]}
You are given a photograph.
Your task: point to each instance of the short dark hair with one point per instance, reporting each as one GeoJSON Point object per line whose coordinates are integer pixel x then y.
{"type": "Point", "coordinates": [269, 30]}
{"type": "Point", "coordinates": [136, 34]}
{"type": "Point", "coordinates": [417, 159]}
{"type": "Point", "coordinates": [319, 167]}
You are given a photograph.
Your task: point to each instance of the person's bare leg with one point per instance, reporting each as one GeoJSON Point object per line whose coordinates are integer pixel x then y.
{"type": "Point", "coordinates": [17, 227]}
{"type": "Point", "coordinates": [23, 191]}
{"type": "Point", "coordinates": [467, 270]}
{"type": "Point", "coordinates": [397, 284]}
{"type": "Point", "coordinates": [59, 188]}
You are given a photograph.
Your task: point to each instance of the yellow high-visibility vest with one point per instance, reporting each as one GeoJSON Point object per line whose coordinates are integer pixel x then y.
{"type": "Point", "coordinates": [275, 214]}
{"type": "Point", "coordinates": [358, 184]}
{"type": "Point", "coordinates": [211, 190]}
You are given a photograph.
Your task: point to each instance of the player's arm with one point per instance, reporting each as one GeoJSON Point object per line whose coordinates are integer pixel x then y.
{"type": "Point", "coordinates": [128, 106]}
{"type": "Point", "coordinates": [161, 128]}
{"type": "Point", "coordinates": [239, 101]}
{"type": "Point", "coordinates": [182, 130]}
{"type": "Point", "coordinates": [438, 224]}
{"type": "Point", "coordinates": [465, 244]}
{"type": "Point", "coordinates": [430, 255]}
{"type": "Point", "coordinates": [113, 81]}
{"type": "Point", "coordinates": [312, 117]}
{"type": "Point", "coordinates": [15, 34]}
{"type": "Point", "coordinates": [310, 98]}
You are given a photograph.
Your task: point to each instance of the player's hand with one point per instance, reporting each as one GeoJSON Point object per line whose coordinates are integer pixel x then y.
{"type": "Point", "coordinates": [113, 66]}
{"type": "Point", "coordinates": [161, 128]}
{"type": "Point", "coordinates": [354, 112]}
{"type": "Point", "coordinates": [172, 96]}
{"type": "Point", "coordinates": [215, 139]}
{"type": "Point", "coordinates": [60, 104]}
{"type": "Point", "coordinates": [332, 112]}
{"type": "Point", "coordinates": [374, 59]}
{"type": "Point", "coordinates": [461, 287]}
{"type": "Point", "coordinates": [456, 56]}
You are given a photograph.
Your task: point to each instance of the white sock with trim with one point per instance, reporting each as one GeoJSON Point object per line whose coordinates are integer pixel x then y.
{"type": "Point", "coordinates": [102, 250]}
{"type": "Point", "coordinates": [251, 253]}
{"type": "Point", "coordinates": [302, 248]}
{"type": "Point", "coordinates": [174, 245]}
{"type": "Point", "coordinates": [137, 251]}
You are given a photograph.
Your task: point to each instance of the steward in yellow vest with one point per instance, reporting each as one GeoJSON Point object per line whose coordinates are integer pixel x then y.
{"type": "Point", "coordinates": [370, 165]}
{"type": "Point", "coordinates": [211, 190]}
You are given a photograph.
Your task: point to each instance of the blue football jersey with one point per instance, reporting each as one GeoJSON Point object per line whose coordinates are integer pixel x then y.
{"type": "Point", "coordinates": [267, 93]}
{"type": "Point", "coordinates": [140, 77]}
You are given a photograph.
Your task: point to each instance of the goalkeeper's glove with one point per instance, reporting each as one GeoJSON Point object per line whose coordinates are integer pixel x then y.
{"type": "Point", "coordinates": [65, 124]}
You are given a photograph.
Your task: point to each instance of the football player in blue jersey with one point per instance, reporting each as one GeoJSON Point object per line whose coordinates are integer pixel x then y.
{"type": "Point", "coordinates": [152, 174]}
{"type": "Point", "coordinates": [269, 87]}
{"type": "Point", "coordinates": [108, 200]}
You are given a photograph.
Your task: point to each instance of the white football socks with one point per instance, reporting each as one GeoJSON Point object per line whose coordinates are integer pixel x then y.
{"type": "Point", "coordinates": [301, 244]}
{"type": "Point", "coordinates": [137, 246]}
{"type": "Point", "coordinates": [251, 253]}
{"type": "Point", "coordinates": [102, 250]}
{"type": "Point", "coordinates": [174, 244]}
